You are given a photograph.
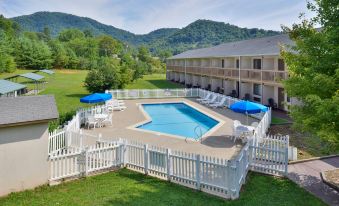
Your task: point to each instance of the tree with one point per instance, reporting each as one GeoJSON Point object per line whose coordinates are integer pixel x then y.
{"type": "Point", "coordinates": [143, 54]}
{"type": "Point", "coordinates": [59, 53]}
{"type": "Point", "coordinates": [108, 46]}
{"type": "Point", "coordinates": [105, 76]}
{"type": "Point", "coordinates": [314, 71]}
{"type": "Point", "coordinates": [70, 34]}
{"type": "Point", "coordinates": [32, 54]}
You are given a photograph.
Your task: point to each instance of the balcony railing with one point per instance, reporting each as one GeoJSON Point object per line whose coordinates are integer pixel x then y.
{"type": "Point", "coordinates": [270, 76]}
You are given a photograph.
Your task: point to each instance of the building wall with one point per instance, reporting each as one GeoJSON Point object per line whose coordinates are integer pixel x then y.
{"type": "Point", "coordinates": [23, 157]}
{"type": "Point", "coordinates": [245, 87]}
{"type": "Point", "coordinates": [268, 92]}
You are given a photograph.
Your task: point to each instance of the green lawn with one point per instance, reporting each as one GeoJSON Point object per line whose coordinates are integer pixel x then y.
{"type": "Point", "coordinates": [67, 86]}
{"type": "Point", "coordinates": [125, 187]}
{"type": "Point", "coordinates": [154, 81]}
{"type": "Point", "coordinates": [277, 120]}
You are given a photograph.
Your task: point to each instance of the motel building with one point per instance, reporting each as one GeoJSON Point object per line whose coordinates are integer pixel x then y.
{"type": "Point", "coordinates": [249, 69]}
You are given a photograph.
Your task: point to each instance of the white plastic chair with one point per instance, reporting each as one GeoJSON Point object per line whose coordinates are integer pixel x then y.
{"type": "Point", "coordinates": [205, 98]}
{"type": "Point", "coordinates": [108, 120]}
{"type": "Point", "coordinates": [210, 101]}
{"type": "Point", "coordinates": [219, 104]}
{"type": "Point", "coordinates": [91, 121]}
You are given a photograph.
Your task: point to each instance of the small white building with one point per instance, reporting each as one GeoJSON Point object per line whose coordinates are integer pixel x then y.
{"type": "Point", "coordinates": [23, 141]}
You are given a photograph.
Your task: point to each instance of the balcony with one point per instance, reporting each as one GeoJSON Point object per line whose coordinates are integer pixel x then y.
{"type": "Point", "coordinates": [268, 76]}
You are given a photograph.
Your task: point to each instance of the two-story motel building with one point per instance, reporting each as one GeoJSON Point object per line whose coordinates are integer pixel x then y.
{"type": "Point", "coordinates": [251, 69]}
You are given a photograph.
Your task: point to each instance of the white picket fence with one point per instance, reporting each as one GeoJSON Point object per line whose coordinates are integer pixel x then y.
{"type": "Point", "coordinates": [71, 157]}
{"type": "Point", "coordinates": [76, 162]}
{"type": "Point", "coordinates": [153, 93]}
{"type": "Point", "coordinates": [270, 154]}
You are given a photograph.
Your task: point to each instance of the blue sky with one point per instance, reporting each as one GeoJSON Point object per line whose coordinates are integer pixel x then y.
{"type": "Point", "coordinates": [142, 16]}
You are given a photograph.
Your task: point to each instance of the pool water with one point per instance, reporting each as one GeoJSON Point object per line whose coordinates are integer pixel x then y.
{"type": "Point", "coordinates": [177, 119]}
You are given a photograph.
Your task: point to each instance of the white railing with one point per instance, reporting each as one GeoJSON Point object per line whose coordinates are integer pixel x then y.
{"type": "Point", "coordinates": [216, 176]}
{"type": "Point", "coordinates": [153, 93]}
{"type": "Point", "coordinates": [270, 154]}
{"type": "Point", "coordinates": [56, 141]}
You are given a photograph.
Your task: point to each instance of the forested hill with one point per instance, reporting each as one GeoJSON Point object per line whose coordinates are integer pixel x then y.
{"type": "Point", "coordinates": [201, 33]}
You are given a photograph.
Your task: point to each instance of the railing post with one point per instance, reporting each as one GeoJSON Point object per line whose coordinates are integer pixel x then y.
{"type": "Point", "coordinates": [86, 160]}
{"type": "Point", "coordinates": [197, 170]}
{"type": "Point", "coordinates": [146, 158]}
{"type": "Point", "coordinates": [99, 137]}
{"type": "Point", "coordinates": [168, 161]}
{"type": "Point", "coordinates": [80, 136]}
{"type": "Point", "coordinates": [287, 143]}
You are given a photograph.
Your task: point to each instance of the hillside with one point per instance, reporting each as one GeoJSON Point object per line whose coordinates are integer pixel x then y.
{"type": "Point", "coordinates": [201, 33]}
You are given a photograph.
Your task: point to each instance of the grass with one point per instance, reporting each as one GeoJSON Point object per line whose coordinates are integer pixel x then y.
{"type": "Point", "coordinates": [277, 120]}
{"type": "Point", "coordinates": [125, 187]}
{"type": "Point", "coordinates": [153, 81]}
{"type": "Point", "coordinates": [67, 86]}
{"type": "Point", "coordinates": [308, 145]}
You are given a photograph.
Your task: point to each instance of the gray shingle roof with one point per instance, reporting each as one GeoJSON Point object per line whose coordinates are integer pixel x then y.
{"type": "Point", "coordinates": [8, 86]}
{"type": "Point", "coordinates": [47, 71]}
{"type": "Point", "coordinates": [252, 47]}
{"type": "Point", "coordinates": [20, 110]}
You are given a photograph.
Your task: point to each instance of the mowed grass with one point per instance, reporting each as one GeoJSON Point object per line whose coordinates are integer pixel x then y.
{"type": "Point", "coordinates": [277, 120]}
{"type": "Point", "coordinates": [67, 86]}
{"type": "Point", "coordinates": [153, 81]}
{"type": "Point", "coordinates": [125, 187]}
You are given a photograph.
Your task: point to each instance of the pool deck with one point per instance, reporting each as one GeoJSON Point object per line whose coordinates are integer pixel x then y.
{"type": "Point", "coordinates": [217, 143]}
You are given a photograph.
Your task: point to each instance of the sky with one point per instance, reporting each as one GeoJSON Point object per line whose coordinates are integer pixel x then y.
{"type": "Point", "coordinates": [144, 16]}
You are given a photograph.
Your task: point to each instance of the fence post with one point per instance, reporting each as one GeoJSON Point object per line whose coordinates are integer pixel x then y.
{"type": "Point", "coordinates": [146, 158]}
{"type": "Point", "coordinates": [86, 160]}
{"type": "Point", "coordinates": [80, 135]}
{"type": "Point", "coordinates": [168, 161]}
{"type": "Point", "coordinates": [197, 170]}
{"type": "Point", "coordinates": [287, 143]}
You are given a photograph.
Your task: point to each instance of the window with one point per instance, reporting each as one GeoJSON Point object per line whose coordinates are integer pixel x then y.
{"type": "Point", "coordinates": [281, 65]}
{"type": "Point", "coordinates": [237, 63]}
{"type": "Point", "coordinates": [222, 63]}
{"type": "Point", "coordinates": [257, 89]}
{"type": "Point", "coordinates": [256, 63]}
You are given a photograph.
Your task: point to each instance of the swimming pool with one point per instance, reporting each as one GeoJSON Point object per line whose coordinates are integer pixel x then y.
{"type": "Point", "coordinates": [177, 119]}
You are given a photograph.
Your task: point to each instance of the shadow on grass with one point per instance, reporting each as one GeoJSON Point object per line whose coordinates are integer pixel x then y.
{"type": "Point", "coordinates": [164, 84]}
{"type": "Point", "coordinates": [76, 95]}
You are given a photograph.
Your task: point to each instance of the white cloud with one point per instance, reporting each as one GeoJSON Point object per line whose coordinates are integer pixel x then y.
{"type": "Point", "coordinates": [143, 16]}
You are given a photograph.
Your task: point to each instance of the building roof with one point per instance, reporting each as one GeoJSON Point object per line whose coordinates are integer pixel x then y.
{"type": "Point", "coordinates": [47, 71]}
{"type": "Point", "coordinates": [32, 76]}
{"type": "Point", "coordinates": [27, 109]}
{"type": "Point", "coordinates": [252, 47]}
{"type": "Point", "coordinates": [8, 86]}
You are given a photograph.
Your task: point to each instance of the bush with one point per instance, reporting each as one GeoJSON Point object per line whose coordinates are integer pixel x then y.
{"type": "Point", "coordinates": [105, 76]}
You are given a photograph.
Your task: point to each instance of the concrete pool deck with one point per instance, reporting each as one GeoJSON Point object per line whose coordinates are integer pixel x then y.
{"type": "Point", "coordinates": [217, 143]}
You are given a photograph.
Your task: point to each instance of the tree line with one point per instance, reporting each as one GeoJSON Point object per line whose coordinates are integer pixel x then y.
{"type": "Point", "coordinates": [75, 49]}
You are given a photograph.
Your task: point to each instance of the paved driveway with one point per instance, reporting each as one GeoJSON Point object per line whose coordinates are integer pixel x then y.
{"type": "Point", "coordinates": [307, 175]}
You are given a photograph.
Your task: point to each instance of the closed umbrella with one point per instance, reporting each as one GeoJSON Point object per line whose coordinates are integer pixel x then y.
{"type": "Point", "coordinates": [247, 107]}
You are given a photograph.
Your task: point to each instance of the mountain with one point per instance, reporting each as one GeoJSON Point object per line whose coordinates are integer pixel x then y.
{"type": "Point", "coordinates": [201, 33]}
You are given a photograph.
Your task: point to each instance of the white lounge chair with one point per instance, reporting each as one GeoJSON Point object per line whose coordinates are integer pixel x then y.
{"type": "Point", "coordinates": [108, 120]}
{"type": "Point", "coordinates": [117, 106]}
{"type": "Point", "coordinates": [210, 101]}
{"type": "Point", "coordinates": [91, 121]}
{"type": "Point", "coordinates": [205, 98]}
{"type": "Point", "coordinates": [221, 103]}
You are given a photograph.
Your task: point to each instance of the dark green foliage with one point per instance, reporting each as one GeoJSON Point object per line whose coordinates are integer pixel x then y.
{"type": "Point", "coordinates": [105, 76]}
{"type": "Point", "coordinates": [314, 72]}
{"type": "Point", "coordinates": [32, 54]}
{"type": "Point", "coordinates": [201, 33]}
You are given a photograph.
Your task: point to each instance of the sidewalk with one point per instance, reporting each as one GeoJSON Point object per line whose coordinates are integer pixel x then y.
{"type": "Point", "coordinates": [307, 175]}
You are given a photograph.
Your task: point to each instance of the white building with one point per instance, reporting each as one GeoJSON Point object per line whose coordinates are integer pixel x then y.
{"type": "Point", "coordinates": [250, 69]}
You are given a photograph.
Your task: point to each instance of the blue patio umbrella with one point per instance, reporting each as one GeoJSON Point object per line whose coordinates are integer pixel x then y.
{"type": "Point", "coordinates": [96, 98]}
{"type": "Point", "coordinates": [247, 107]}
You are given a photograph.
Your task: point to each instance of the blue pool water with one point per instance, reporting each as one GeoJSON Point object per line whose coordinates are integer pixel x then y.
{"type": "Point", "coordinates": [177, 119]}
